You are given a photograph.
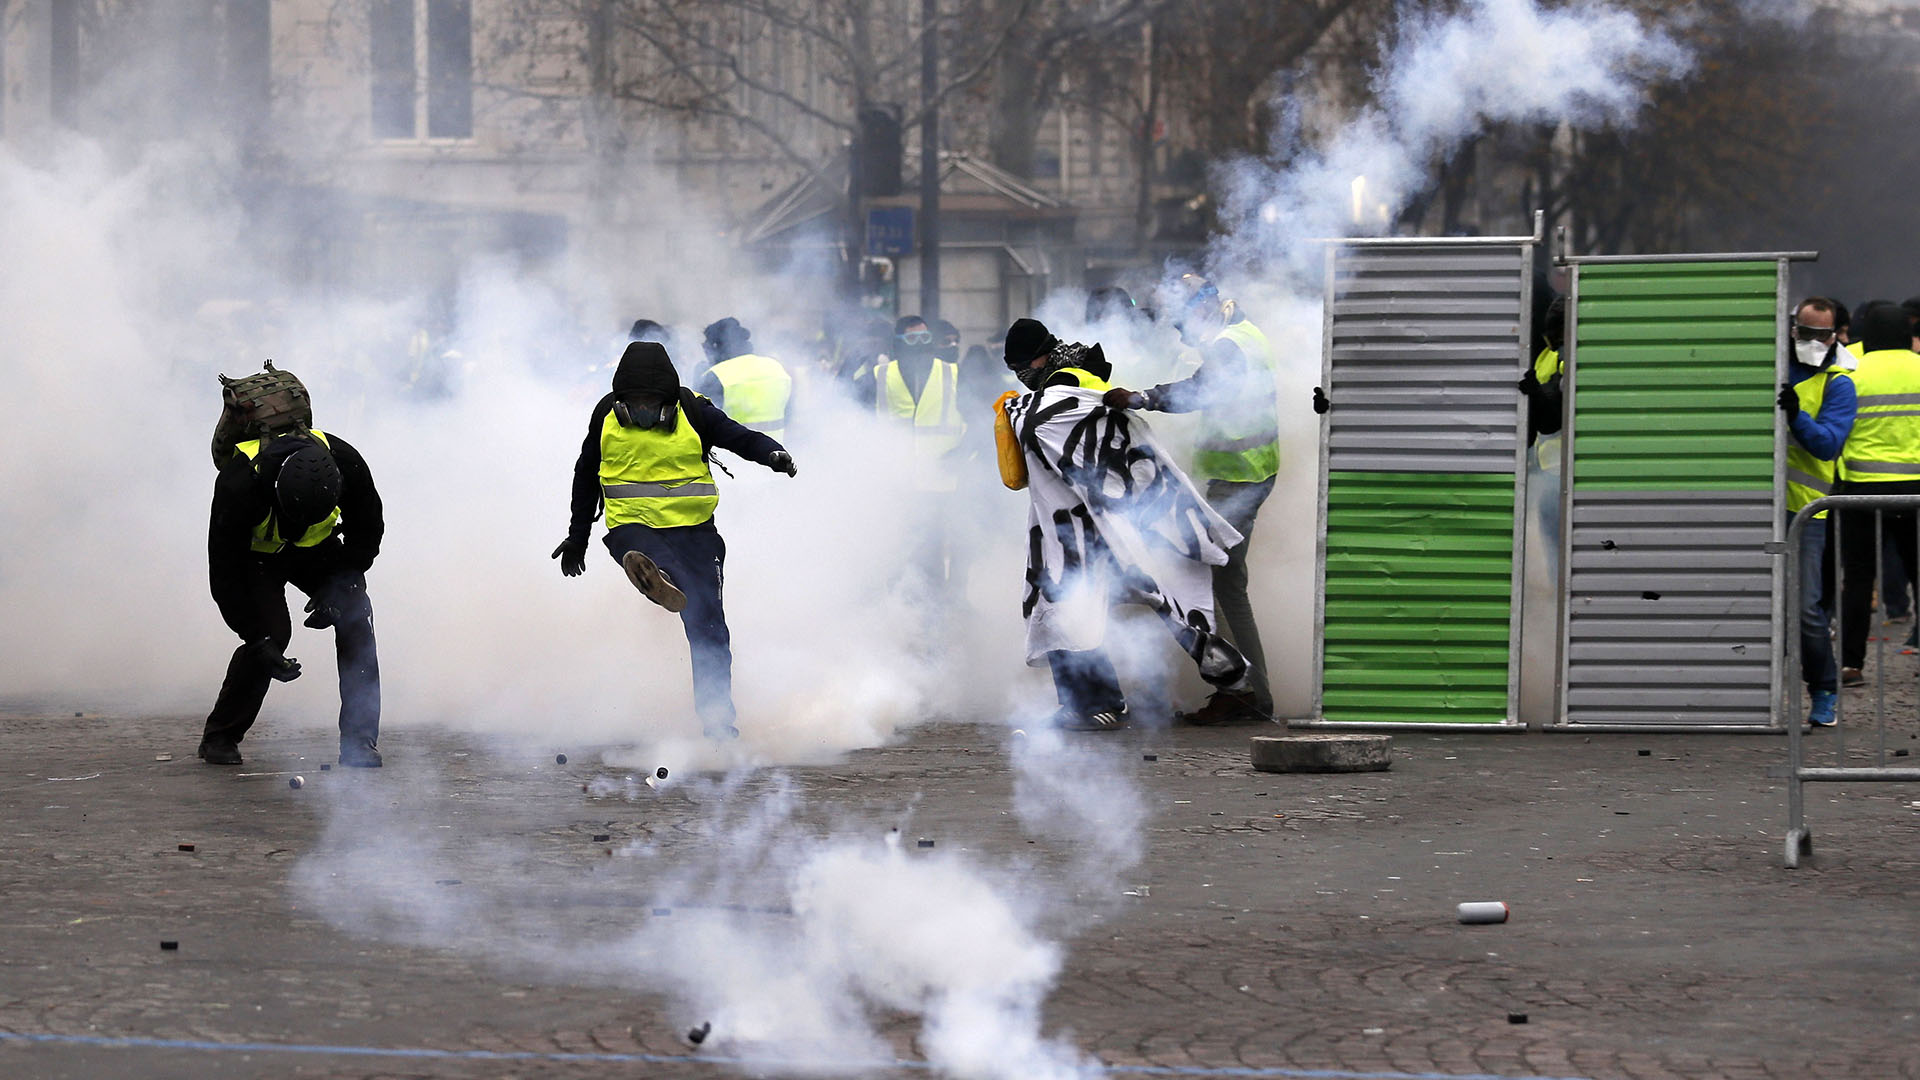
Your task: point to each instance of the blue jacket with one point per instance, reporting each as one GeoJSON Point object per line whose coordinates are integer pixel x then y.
{"type": "Point", "coordinates": [1822, 434]}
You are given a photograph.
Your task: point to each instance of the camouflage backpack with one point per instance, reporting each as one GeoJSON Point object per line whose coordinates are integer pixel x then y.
{"type": "Point", "coordinates": [259, 406]}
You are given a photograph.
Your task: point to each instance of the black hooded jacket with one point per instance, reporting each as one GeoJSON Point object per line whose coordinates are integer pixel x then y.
{"type": "Point", "coordinates": [646, 373]}
{"type": "Point", "coordinates": [242, 497]}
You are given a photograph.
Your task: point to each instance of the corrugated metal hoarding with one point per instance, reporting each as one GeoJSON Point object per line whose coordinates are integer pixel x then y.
{"type": "Point", "coordinates": [1673, 453]}
{"type": "Point", "coordinates": [1419, 510]}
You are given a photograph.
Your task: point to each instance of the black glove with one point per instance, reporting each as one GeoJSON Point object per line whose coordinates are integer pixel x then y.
{"type": "Point", "coordinates": [782, 462]}
{"type": "Point", "coordinates": [1789, 402]}
{"type": "Point", "coordinates": [572, 555]}
{"type": "Point", "coordinates": [1529, 383]}
{"type": "Point", "coordinates": [278, 664]}
{"type": "Point", "coordinates": [1320, 402]}
{"type": "Point", "coordinates": [321, 615]}
{"type": "Point", "coordinates": [1122, 398]}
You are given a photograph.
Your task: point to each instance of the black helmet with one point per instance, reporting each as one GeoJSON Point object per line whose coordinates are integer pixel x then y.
{"type": "Point", "coordinates": [307, 488]}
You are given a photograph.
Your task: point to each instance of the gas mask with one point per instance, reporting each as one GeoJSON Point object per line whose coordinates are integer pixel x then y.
{"type": "Point", "coordinates": [1812, 353]}
{"type": "Point", "coordinates": [645, 412]}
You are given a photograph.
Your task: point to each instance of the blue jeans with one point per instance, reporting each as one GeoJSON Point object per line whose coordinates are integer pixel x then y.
{"type": "Point", "coordinates": [1816, 627]}
{"type": "Point", "coordinates": [695, 558]}
{"type": "Point", "coordinates": [1085, 682]}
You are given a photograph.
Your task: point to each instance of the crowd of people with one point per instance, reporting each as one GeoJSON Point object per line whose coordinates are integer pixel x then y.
{"type": "Point", "coordinates": [1113, 519]}
{"type": "Point", "coordinates": [1852, 403]}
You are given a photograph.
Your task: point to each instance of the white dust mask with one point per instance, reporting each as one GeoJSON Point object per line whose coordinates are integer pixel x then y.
{"type": "Point", "coordinates": [1811, 353]}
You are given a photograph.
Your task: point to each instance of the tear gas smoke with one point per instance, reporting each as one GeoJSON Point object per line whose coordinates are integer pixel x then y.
{"type": "Point", "coordinates": [107, 484]}
{"type": "Point", "coordinates": [106, 273]}
{"type": "Point", "coordinates": [1450, 77]}
{"type": "Point", "coordinates": [795, 939]}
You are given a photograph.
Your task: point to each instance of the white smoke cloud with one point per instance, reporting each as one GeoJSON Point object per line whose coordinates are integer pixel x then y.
{"type": "Point", "coordinates": [791, 937]}
{"type": "Point", "coordinates": [796, 942]}
{"type": "Point", "coordinates": [1450, 76]}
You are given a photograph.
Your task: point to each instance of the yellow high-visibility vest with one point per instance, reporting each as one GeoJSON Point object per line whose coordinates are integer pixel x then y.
{"type": "Point", "coordinates": [1885, 443]}
{"type": "Point", "coordinates": [266, 535]}
{"type": "Point", "coordinates": [1084, 379]}
{"type": "Point", "coordinates": [655, 477]}
{"type": "Point", "coordinates": [1547, 448]}
{"type": "Point", "coordinates": [937, 426]}
{"type": "Point", "coordinates": [757, 390]}
{"type": "Point", "coordinates": [1239, 441]}
{"type": "Point", "coordinates": [1808, 477]}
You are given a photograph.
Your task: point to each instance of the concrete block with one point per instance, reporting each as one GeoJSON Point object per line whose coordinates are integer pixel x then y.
{"type": "Point", "coordinates": [1322, 753]}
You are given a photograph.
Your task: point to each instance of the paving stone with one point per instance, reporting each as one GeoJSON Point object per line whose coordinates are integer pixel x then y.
{"type": "Point", "coordinates": [1322, 753]}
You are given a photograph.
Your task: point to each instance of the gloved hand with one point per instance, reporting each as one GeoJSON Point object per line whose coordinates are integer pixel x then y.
{"type": "Point", "coordinates": [1122, 398]}
{"type": "Point", "coordinates": [782, 462]}
{"type": "Point", "coordinates": [278, 664]}
{"type": "Point", "coordinates": [1529, 383]}
{"type": "Point", "coordinates": [1320, 402]}
{"type": "Point", "coordinates": [321, 615]}
{"type": "Point", "coordinates": [1789, 402]}
{"type": "Point", "coordinates": [572, 555]}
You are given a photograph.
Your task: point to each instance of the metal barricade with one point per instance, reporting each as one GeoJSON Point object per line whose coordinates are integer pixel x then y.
{"type": "Point", "coordinates": [1799, 840]}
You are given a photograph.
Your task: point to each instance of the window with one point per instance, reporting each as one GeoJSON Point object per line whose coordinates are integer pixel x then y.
{"type": "Point", "coordinates": [422, 85]}
{"type": "Point", "coordinates": [449, 69]}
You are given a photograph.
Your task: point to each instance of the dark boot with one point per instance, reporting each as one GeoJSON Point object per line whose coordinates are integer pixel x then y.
{"type": "Point", "coordinates": [220, 753]}
{"type": "Point", "coordinates": [653, 582]}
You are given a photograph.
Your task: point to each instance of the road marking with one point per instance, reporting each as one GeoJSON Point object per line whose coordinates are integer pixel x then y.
{"type": "Point", "coordinates": [703, 1059]}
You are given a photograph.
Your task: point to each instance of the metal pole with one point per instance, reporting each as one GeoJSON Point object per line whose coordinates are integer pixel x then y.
{"type": "Point", "coordinates": [929, 160]}
{"type": "Point", "coordinates": [1839, 614]}
{"type": "Point", "coordinates": [1796, 810]}
{"type": "Point", "coordinates": [1880, 618]}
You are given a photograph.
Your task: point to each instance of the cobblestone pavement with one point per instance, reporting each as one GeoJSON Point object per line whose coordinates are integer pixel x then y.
{"type": "Point", "coordinates": [1290, 925]}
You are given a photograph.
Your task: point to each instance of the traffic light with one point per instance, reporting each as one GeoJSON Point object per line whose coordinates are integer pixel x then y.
{"type": "Point", "coordinates": [878, 152]}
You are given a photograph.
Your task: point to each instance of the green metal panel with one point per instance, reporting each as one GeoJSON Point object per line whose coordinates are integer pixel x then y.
{"type": "Point", "coordinates": [1674, 388]}
{"type": "Point", "coordinates": [1419, 575]}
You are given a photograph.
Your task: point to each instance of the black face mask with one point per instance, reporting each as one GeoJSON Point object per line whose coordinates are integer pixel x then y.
{"type": "Point", "coordinates": [1030, 376]}
{"type": "Point", "coordinates": [645, 412]}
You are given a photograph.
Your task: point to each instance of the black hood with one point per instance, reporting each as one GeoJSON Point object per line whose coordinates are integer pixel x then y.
{"type": "Point", "coordinates": [645, 368]}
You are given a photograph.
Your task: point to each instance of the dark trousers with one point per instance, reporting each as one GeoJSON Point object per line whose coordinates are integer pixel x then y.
{"type": "Point", "coordinates": [695, 558]}
{"type": "Point", "coordinates": [358, 661]}
{"type": "Point", "coordinates": [1859, 561]}
{"type": "Point", "coordinates": [1085, 682]}
{"type": "Point", "coordinates": [1896, 583]}
{"type": "Point", "coordinates": [1240, 504]}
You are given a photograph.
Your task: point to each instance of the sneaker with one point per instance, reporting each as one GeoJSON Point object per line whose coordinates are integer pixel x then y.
{"type": "Point", "coordinates": [1226, 707]}
{"type": "Point", "coordinates": [1850, 676]}
{"type": "Point", "coordinates": [653, 582]}
{"type": "Point", "coordinates": [220, 753]}
{"type": "Point", "coordinates": [1105, 720]}
{"type": "Point", "coordinates": [361, 754]}
{"type": "Point", "coordinates": [1821, 715]}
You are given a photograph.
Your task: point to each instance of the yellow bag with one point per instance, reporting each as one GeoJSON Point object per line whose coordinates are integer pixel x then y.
{"type": "Point", "coordinates": [1013, 464]}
